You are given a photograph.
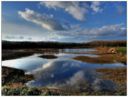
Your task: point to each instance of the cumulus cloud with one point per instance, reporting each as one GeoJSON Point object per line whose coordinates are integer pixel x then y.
{"type": "Point", "coordinates": [96, 6]}
{"type": "Point", "coordinates": [44, 20]}
{"type": "Point", "coordinates": [73, 8]}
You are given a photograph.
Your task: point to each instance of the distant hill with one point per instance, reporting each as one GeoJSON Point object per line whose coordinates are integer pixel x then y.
{"type": "Point", "coordinates": [24, 44]}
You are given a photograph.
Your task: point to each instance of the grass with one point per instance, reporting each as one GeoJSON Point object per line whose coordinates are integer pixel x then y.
{"type": "Point", "coordinates": [122, 50]}
{"type": "Point", "coordinates": [32, 91]}
{"type": "Point", "coordinates": [104, 57]}
{"type": "Point", "coordinates": [26, 91]}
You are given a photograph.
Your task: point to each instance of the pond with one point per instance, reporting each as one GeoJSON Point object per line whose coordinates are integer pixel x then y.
{"type": "Point", "coordinates": [60, 71]}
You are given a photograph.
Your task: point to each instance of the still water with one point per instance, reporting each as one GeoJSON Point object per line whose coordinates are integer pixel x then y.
{"type": "Point", "coordinates": [60, 71]}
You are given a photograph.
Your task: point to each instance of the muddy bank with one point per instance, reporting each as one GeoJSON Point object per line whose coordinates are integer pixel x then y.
{"type": "Point", "coordinates": [14, 53]}
{"type": "Point", "coordinates": [48, 56]}
{"type": "Point", "coordinates": [11, 75]}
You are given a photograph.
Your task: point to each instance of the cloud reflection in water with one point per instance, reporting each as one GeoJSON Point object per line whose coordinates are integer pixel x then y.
{"type": "Point", "coordinates": [71, 73]}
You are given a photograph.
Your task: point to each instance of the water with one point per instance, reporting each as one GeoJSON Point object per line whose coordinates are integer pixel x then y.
{"type": "Point", "coordinates": [25, 63]}
{"type": "Point", "coordinates": [69, 56]}
{"type": "Point", "coordinates": [60, 71]}
{"type": "Point", "coordinates": [77, 50]}
{"type": "Point", "coordinates": [33, 62]}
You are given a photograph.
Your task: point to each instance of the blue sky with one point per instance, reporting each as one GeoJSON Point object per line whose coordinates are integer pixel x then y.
{"type": "Point", "coordinates": [63, 21]}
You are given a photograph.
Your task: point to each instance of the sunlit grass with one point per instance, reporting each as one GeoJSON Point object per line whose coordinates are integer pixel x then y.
{"type": "Point", "coordinates": [122, 50]}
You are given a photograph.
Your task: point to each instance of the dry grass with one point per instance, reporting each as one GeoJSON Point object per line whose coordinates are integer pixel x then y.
{"type": "Point", "coordinates": [106, 58]}
{"type": "Point", "coordinates": [117, 75]}
{"type": "Point", "coordinates": [15, 85]}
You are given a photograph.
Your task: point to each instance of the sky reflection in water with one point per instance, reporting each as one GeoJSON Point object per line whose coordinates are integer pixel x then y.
{"type": "Point", "coordinates": [59, 72]}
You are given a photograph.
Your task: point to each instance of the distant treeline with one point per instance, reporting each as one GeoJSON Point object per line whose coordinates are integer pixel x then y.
{"type": "Point", "coordinates": [107, 43]}
{"type": "Point", "coordinates": [20, 45]}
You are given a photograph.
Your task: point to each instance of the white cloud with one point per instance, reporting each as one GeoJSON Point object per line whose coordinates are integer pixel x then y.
{"type": "Point", "coordinates": [107, 30]}
{"type": "Point", "coordinates": [96, 6]}
{"type": "Point", "coordinates": [13, 32]}
{"type": "Point", "coordinates": [44, 20]}
{"type": "Point", "coordinates": [73, 8]}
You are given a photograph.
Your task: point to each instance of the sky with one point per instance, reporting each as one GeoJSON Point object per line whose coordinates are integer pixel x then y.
{"type": "Point", "coordinates": [63, 21]}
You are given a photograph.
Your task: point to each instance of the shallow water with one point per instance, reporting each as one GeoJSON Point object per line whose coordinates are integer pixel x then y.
{"type": "Point", "coordinates": [25, 63]}
{"type": "Point", "coordinates": [69, 56]}
{"type": "Point", "coordinates": [77, 50]}
{"type": "Point", "coordinates": [60, 71]}
{"type": "Point", "coordinates": [33, 62]}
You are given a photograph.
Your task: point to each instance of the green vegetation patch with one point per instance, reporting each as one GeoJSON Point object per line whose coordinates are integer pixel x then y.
{"type": "Point", "coordinates": [123, 50]}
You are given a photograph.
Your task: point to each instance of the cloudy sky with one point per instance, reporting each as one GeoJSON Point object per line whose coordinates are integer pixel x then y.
{"type": "Point", "coordinates": [63, 21]}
